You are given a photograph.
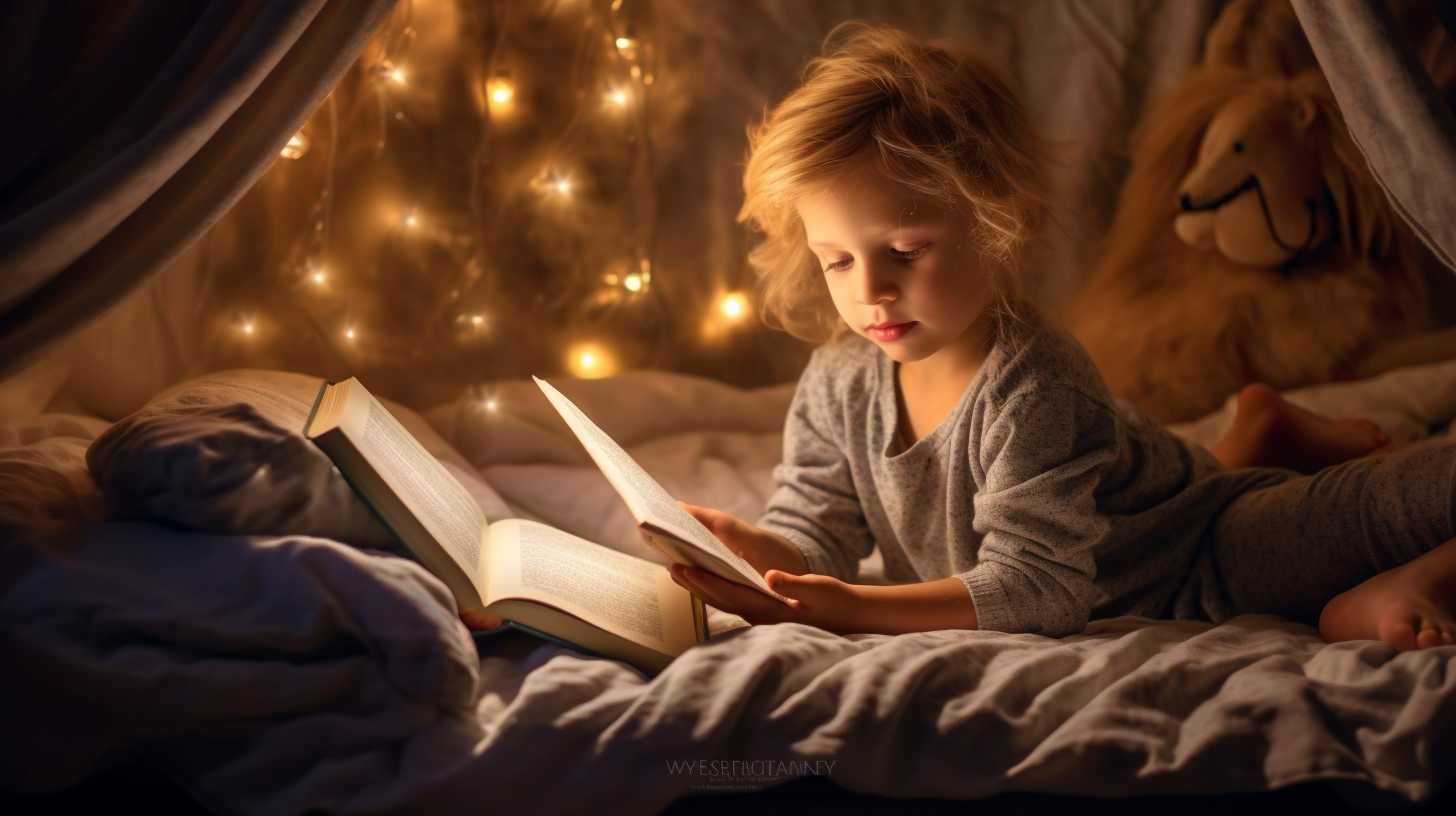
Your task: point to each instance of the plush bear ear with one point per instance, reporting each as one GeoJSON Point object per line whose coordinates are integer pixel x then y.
{"type": "Point", "coordinates": [1306, 111]}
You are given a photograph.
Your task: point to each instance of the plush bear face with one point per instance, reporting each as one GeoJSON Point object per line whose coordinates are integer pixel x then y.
{"type": "Point", "coordinates": [1256, 193]}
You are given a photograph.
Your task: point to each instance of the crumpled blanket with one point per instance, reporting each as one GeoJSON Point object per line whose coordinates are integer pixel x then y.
{"type": "Point", "coordinates": [278, 675]}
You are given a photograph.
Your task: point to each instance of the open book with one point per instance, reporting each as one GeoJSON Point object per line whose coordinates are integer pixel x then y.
{"type": "Point", "coordinates": [669, 527]}
{"type": "Point", "coordinates": [532, 576]}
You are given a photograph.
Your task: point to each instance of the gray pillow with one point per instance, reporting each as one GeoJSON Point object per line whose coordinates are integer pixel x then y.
{"type": "Point", "coordinates": [226, 454]}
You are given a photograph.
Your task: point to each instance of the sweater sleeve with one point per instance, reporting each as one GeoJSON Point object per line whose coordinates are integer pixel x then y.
{"type": "Point", "coordinates": [1038, 461]}
{"type": "Point", "coordinates": [815, 504]}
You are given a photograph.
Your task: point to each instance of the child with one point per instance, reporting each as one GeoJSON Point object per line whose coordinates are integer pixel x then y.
{"type": "Point", "coordinates": [900, 193]}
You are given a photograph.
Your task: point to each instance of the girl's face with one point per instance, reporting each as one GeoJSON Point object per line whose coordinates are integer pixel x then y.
{"type": "Point", "coordinates": [901, 270]}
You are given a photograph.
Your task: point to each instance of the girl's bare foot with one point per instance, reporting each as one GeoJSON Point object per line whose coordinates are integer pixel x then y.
{"type": "Point", "coordinates": [1270, 432]}
{"type": "Point", "coordinates": [1410, 607]}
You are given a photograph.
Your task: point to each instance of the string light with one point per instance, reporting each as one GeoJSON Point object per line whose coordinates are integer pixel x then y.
{"type": "Point", "coordinates": [490, 405]}
{"type": "Point", "coordinates": [613, 95]}
{"type": "Point", "coordinates": [296, 147]}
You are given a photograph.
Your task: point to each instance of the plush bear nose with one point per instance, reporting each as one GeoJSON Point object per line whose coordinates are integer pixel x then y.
{"type": "Point", "coordinates": [1186, 203]}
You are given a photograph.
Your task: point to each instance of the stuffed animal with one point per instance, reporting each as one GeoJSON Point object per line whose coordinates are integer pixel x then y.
{"type": "Point", "coordinates": [1251, 244]}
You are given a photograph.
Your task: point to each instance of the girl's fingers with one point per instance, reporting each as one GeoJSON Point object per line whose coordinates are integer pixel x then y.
{"type": "Point", "coordinates": [731, 597]}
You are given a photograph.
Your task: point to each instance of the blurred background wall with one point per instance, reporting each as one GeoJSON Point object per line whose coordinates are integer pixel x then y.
{"type": "Point", "coordinates": [502, 188]}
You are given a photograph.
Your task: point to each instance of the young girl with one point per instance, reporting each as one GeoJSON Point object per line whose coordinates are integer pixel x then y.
{"type": "Point", "coordinates": [900, 194]}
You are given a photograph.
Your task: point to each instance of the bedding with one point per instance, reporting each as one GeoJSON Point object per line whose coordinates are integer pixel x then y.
{"type": "Point", "coordinates": [278, 673]}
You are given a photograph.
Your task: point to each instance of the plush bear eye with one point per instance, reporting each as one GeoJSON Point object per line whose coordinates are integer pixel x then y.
{"type": "Point", "coordinates": [1238, 147]}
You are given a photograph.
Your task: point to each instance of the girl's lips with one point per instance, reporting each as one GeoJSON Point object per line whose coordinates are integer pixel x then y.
{"type": "Point", "coordinates": [886, 333]}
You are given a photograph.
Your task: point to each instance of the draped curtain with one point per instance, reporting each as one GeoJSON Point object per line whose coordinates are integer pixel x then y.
{"type": "Point", "coordinates": [1393, 109]}
{"type": "Point", "coordinates": [131, 126]}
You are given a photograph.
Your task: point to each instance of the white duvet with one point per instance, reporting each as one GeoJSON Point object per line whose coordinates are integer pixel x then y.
{"type": "Point", "coordinates": [277, 675]}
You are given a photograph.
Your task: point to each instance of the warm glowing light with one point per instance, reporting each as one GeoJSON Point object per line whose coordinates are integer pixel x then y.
{"type": "Point", "coordinates": [734, 305]}
{"type": "Point", "coordinates": [633, 282]}
{"type": "Point", "coordinates": [563, 186]}
{"type": "Point", "coordinates": [501, 92]}
{"type": "Point", "coordinates": [247, 328]}
{"type": "Point", "coordinates": [349, 334]}
{"type": "Point", "coordinates": [490, 405]}
{"type": "Point", "coordinates": [476, 320]}
{"type": "Point", "coordinates": [410, 218]}
{"type": "Point", "coordinates": [624, 43]}
{"type": "Point", "coordinates": [612, 280]}
{"type": "Point", "coordinates": [396, 74]}
{"type": "Point", "coordinates": [590, 360]}
{"type": "Point", "coordinates": [619, 96]}
{"type": "Point", "coordinates": [296, 147]}
{"type": "Point", "coordinates": [318, 277]}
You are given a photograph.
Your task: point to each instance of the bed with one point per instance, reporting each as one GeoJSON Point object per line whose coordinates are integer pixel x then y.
{"type": "Point", "coordinates": [285, 672]}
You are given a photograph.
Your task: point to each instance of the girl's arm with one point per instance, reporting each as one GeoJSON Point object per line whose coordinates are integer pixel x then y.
{"type": "Point", "coordinates": [831, 604]}
{"type": "Point", "coordinates": [819, 600]}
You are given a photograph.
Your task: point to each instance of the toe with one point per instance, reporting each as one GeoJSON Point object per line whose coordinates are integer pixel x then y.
{"type": "Point", "coordinates": [1428, 638]}
{"type": "Point", "coordinates": [1399, 634]}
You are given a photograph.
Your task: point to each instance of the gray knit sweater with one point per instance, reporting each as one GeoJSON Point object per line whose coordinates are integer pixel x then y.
{"type": "Point", "coordinates": [1050, 500]}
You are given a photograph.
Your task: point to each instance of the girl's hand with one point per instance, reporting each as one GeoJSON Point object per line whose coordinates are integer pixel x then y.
{"type": "Point", "coordinates": [762, 550]}
{"type": "Point", "coordinates": [480, 620]}
{"type": "Point", "coordinates": [816, 600]}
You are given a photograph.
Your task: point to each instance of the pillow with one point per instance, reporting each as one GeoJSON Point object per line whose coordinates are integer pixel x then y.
{"type": "Point", "coordinates": [47, 495]}
{"type": "Point", "coordinates": [226, 454]}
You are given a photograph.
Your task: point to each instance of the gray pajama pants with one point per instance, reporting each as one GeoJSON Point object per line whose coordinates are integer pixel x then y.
{"type": "Point", "coordinates": [1290, 543]}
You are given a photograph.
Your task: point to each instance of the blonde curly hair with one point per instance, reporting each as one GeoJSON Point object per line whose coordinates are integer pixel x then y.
{"type": "Point", "coordinates": [936, 118]}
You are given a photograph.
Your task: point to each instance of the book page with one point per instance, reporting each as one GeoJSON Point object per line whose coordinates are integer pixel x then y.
{"type": "Point", "coordinates": [440, 503]}
{"type": "Point", "coordinates": [646, 498]}
{"type": "Point", "coordinates": [614, 591]}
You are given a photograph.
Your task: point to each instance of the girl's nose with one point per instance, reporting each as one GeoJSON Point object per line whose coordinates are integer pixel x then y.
{"type": "Point", "coordinates": [873, 284]}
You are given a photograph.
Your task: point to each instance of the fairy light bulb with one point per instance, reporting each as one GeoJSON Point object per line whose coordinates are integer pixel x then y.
{"type": "Point", "coordinates": [623, 43]}
{"type": "Point", "coordinates": [618, 96]}
{"type": "Point", "coordinates": [590, 360]}
{"type": "Point", "coordinates": [395, 73]}
{"type": "Point", "coordinates": [349, 333]}
{"type": "Point", "coordinates": [296, 147]}
{"type": "Point", "coordinates": [501, 91]}
{"type": "Point", "coordinates": [733, 305]}
{"type": "Point", "coordinates": [490, 405]}
{"type": "Point", "coordinates": [563, 186]}
{"type": "Point", "coordinates": [247, 328]}
{"type": "Point", "coordinates": [633, 282]}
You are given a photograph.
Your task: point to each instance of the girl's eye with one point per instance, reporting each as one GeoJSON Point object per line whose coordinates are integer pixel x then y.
{"type": "Point", "coordinates": [837, 265]}
{"type": "Point", "coordinates": [910, 254]}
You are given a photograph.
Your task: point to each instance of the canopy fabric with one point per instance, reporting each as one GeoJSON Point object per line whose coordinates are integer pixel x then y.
{"type": "Point", "coordinates": [132, 125]}
{"type": "Point", "coordinates": [1394, 111]}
